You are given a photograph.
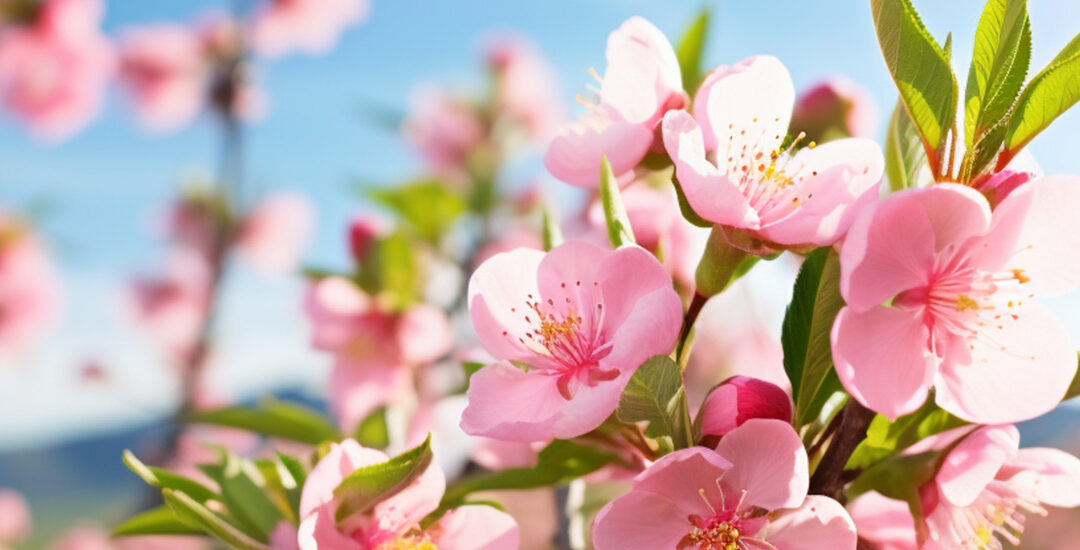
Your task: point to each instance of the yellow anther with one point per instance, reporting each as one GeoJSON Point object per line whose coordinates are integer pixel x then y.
{"type": "Point", "coordinates": [965, 302]}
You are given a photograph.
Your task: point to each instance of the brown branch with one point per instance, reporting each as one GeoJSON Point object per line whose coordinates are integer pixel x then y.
{"type": "Point", "coordinates": [828, 480]}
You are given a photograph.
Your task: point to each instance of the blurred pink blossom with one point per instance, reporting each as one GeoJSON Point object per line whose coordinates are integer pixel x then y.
{"type": "Point", "coordinates": [95, 537]}
{"type": "Point", "coordinates": [582, 318]}
{"type": "Point", "coordinates": [171, 306]}
{"type": "Point", "coordinates": [15, 522]}
{"type": "Point", "coordinates": [960, 284]}
{"type": "Point", "coordinates": [526, 86]}
{"type": "Point", "coordinates": [364, 230]}
{"type": "Point", "coordinates": [835, 108]}
{"type": "Point", "coordinates": [505, 242]}
{"type": "Point", "coordinates": [29, 287]}
{"type": "Point", "coordinates": [641, 83]}
{"type": "Point", "coordinates": [163, 68]}
{"type": "Point", "coordinates": [53, 70]}
{"type": "Point", "coordinates": [273, 236]}
{"type": "Point", "coordinates": [751, 492]}
{"type": "Point", "coordinates": [441, 128]}
{"type": "Point", "coordinates": [311, 27]}
{"type": "Point", "coordinates": [729, 161]}
{"type": "Point", "coordinates": [394, 522]}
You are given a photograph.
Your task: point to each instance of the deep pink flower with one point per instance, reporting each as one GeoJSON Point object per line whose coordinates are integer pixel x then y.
{"type": "Point", "coordinates": [748, 494]}
{"type": "Point", "coordinates": [364, 229]}
{"type": "Point", "coordinates": [394, 522]}
{"type": "Point", "coordinates": [307, 26]}
{"type": "Point", "coordinates": [441, 128]}
{"type": "Point", "coordinates": [53, 71]}
{"type": "Point", "coordinates": [959, 284]}
{"type": "Point", "coordinates": [171, 306]}
{"type": "Point", "coordinates": [582, 318]}
{"type": "Point", "coordinates": [29, 287]}
{"type": "Point", "coordinates": [526, 85]}
{"type": "Point", "coordinates": [14, 518]}
{"type": "Point", "coordinates": [980, 496]}
{"type": "Point", "coordinates": [373, 347]}
{"type": "Point", "coordinates": [275, 232]}
{"type": "Point", "coordinates": [729, 161]}
{"type": "Point", "coordinates": [163, 69]}
{"type": "Point", "coordinates": [835, 108]}
{"type": "Point", "coordinates": [738, 399]}
{"type": "Point", "coordinates": [641, 83]}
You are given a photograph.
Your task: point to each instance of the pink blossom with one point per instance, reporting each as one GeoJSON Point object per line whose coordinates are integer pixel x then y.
{"type": "Point", "coordinates": [311, 27]}
{"type": "Point", "coordinates": [171, 307]}
{"type": "Point", "coordinates": [729, 161]}
{"type": "Point", "coordinates": [582, 318]}
{"type": "Point", "coordinates": [526, 87]}
{"type": "Point", "coordinates": [274, 234]}
{"type": "Point", "coordinates": [29, 287]}
{"type": "Point", "coordinates": [441, 128]}
{"type": "Point", "coordinates": [14, 518]}
{"type": "Point", "coordinates": [163, 68]}
{"type": "Point", "coordinates": [364, 229]}
{"type": "Point", "coordinates": [641, 83]}
{"type": "Point", "coordinates": [748, 494]}
{"type": "Point", "coordinates": [372, 346]}
{"type": "Point", "coordinates": [739, 399]}
{"type": "Point", "coordinates": [960, 283]}
{"type": "Point", "coordinates": [394, 522]}
{"type": "Point", "coordinates": [53, 71]}
{"type": "Point", "coordinates": [835, 108]}
{"type": "Point", "coordinates": [505, 242]}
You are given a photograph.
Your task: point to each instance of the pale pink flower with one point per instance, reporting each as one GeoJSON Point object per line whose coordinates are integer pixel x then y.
{"type": "Point", "coordinates": [312, 27]}
{"type": "Point", "coordinates": [372, 347]}
{"type": "Point", "coordinates": [171, 306]}
{"type": "Point", "coordinates": [641, 83]}
{"type": "Point", "coordinates": [29, 287]}
{"type": "Point", "coordinates": [15, 522]}
{"type": "Point", "coordinates": [526, 86]}
{"type": "Point", "coordinates": [582, 318]}
{"type": "Point", "coordinates": [835, 108]}
{"type": "Point", "coordinates": [981, 495]}
{"type": "Point", "coordinates": [53, 71]}
{"type": "Point", "coordinates": [959, 284]}
{"type": "Point", "coordinates": [729, 161]}
{"type": "Point", "coordinates": [163, 68]}
{"type": "Point", "coordinates": [505, 242]}
{"type": "Point", "coordinates": [95, 537]}
{"type": "Point", "coordinates": [275, 231]}
{"type": "Point", "coordinates": [443, 129]}
{"type": "Point", "coordinates": [394, 522]}
{"type": "Point", "coordinates": [748, 494]}
{"type": "Point", "coordinates": [739, 399]}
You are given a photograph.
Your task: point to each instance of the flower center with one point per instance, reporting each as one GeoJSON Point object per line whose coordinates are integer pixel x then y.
{"type": "Point", "coordinates": [725, 528]}
{"type": "Point", "coordinates": [998, 513]}
{"type": "Point", "coordinates": [765, 182]}
{"type": "Point", "coordinates": [408, 542]}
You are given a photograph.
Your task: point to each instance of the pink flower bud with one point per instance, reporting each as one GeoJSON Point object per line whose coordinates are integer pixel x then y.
{"type": "Point", "coordinates": [833, 109]}
{"type": "Point", "coordinates": [363, 230]}
{"type": "Point", "coordinates": [739, 399]}
{"type": "Point", "coordinates": [998, 186]}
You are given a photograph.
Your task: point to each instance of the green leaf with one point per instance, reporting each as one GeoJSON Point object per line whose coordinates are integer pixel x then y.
{"type": "Point", "coordinates": [429, 207]}
{"type": "Point", "coordinates": [815, 301]}
{"type": "Point", "coordinates": [551, 232]}
{"type": "Point", "coordinates": [618, 223]}
{"type": "Point", "coordinates": [655, 394]}
{"type": "Point", "coordinates": [367, 486]}
{"type": "Point", "coordinates": [686, 209]}
{"type": "Point", "coordinates": [691, 50]}
{"type": "Point", "coordinates": [372, 432]}
{"type": "Point", "coordinates": [1049, 94]}
{"type": "Point", "coordinates": [244, 492]}
{"type": "Point", "coordinates": [393, 270]}
{"type": "Point", "coordinates": [558, 463]}
{"type": "Point", "coordinates": [198, 516]}
{"type": "Point", "coordinates": [885, 438]}
{"type": "Point", "coordinates": [904, 153]}
{"type": "Point", "coordinates": [160, 478]}
{"type": "Point", "coordinates": [921, 70]}
{"type": "Point", "coordinates": [155, 521]}
{"type": "Point", "coordinates": [999, 63]}
{"type": "Point", "coordinates": [274, 418]}
{"type": "Point", "coordinates": [297, 473]}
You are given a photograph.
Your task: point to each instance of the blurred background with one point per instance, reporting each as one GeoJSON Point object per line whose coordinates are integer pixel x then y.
{"type": "Point", "coordinates": [324, 126]}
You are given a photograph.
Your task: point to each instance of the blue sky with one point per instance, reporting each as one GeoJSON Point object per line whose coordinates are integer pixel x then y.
{"type": "Point", "coordinates": [103, 185]}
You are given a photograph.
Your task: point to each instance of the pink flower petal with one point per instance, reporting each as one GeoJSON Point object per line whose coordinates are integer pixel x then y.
{"type": "Point", "coordinates": [1054, 473]}
{"type": "Point", "coordinates": [884, 522]}
{"type": "Point", "coordinates": [640, 520]}
{"type": "Point", "coordinates": [498, 291]}
{"type": "Point", "coordinates": [768, 462]}
{"type": "Point", "coordinates": [820, 523]}
{"type": "Point", "coordinates": [708, 190]}
{"type": "Point", "coordinates": [974, 462]}
{"type": "Point", "coordinates": [424, 334]}
{"type": "Point", "coordinates": [754, 96]}
{"type": "Point", "coordinates": [680, 475]}
{"type": "Point", "coordinates": [574, 154]}
{"type": "Point", "coordinates": [894, 383]}
{"type": "Point", "coordinates": [642, 70]}
{"type": "Point", "coordinates": [342, 459]}
{"type": "Point", "coordinates": [1016, 372]}
{"type": "Point", "coordinates": [505, 402]}
{"type": "Point", "coordinates": [475, 527]}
